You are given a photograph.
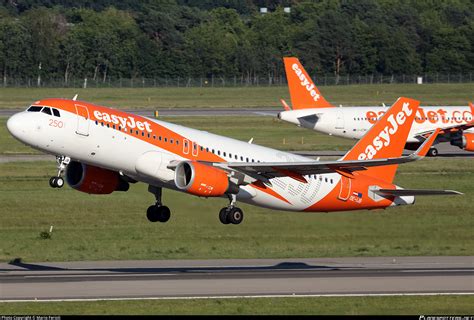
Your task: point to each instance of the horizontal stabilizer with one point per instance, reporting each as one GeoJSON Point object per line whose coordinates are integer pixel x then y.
{"type": "Point", "coordinates": [415, 192]}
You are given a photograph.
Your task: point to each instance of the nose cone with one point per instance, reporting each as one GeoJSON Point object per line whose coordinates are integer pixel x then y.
{"type": "Point", "coordinates": [16, 126]}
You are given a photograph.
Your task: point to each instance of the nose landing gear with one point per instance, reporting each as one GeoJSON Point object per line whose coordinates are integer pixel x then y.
{"type": "Point", "coordinates": [58, 181]}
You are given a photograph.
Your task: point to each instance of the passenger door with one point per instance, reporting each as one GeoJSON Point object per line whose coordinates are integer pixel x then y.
{"type": "Point", "coordinates": [82, 120]}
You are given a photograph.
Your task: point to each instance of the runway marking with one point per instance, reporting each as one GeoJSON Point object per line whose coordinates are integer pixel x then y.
{"type": "Point", "coordinates": [99, 275]}
{"type": "Point", "coordinates": [329, 295]}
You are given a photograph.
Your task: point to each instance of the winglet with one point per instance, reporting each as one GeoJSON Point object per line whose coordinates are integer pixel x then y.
{"type": "Point", "coordinates": [303, 93]}
{"type": "Point", "coordinates": [75, 97]}
{"type": "Point", "coordinates": [285, 105]}
{"type": "Point", "coordinates": [426, 145]}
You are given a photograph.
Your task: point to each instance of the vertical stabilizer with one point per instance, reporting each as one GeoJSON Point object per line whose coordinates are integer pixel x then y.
{"type": "Point", "coordinates": [386, 138]}
{"type": "Point", "coordinates": [304, 94]}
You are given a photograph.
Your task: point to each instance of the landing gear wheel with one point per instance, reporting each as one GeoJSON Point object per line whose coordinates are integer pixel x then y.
{"type": "Point", "coordinates": [433, 152]}
{"type": "Point", "coordinates": [59, 182]}
{"type": "Point", "coordinates": [235, 215]}
{"type": "Point", "coordinates": [56, 182]}
{"type": "Point", "coordinates": [158, 213]}
{"type": "Point", "coordinates": [164, 213]}
{"type": "Point", "coordinates": [52, 181]}
{"type": "Point", "coordinates": [223, 216]}
{"type": "Point", "coordinates": [152, 214]}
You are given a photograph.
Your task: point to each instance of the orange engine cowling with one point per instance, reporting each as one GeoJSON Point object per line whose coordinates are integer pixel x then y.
{"type": "Point", "coordinates": [203, 180]}
{"type": "Point", "coordinates": [93, 180]}
{"type": "Point", "coordinates": [466, 142]}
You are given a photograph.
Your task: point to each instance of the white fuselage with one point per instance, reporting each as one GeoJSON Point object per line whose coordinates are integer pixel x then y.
{"type": "Point", "coordinates": [354, 122]}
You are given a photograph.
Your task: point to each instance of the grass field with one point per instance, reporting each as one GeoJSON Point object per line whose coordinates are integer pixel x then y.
{"type": "Point", "coordinates": [158, 98]}
{"type": "Point", "coordinates": [91, 227]}
{"type": "Point", "coordinates": [410, 305]}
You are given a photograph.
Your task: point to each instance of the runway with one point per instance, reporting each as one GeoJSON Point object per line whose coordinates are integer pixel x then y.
{"type": "Point", "coordinates": [233, 278]}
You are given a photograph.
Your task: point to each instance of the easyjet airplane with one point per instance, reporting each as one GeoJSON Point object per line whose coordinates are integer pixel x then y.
{"type": "Point", "coordinates": [101, 150]}
{"type": "Point", "coordinates": [311, 110]}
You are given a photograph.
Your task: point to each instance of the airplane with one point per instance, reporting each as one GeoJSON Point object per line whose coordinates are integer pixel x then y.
{"type": "Point", "coordinates": [100, 150]}
{"type": "Point", "coordinates": [311, 110]}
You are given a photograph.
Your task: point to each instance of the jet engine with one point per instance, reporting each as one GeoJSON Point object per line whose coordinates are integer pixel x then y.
{"type": "Point", "coordinates": [94, 180]}
{"type": "Point", "coordinates": [466, 142]}
{"type": "Point", "coordinates": [203, 180]}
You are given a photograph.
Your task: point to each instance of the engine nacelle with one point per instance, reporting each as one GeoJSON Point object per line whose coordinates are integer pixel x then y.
{"type": "Point", "coordinates": [203, 180]}
{"type": "Point", "coordinates": [94, 180]}
{"type": "Point", "coordinates": [466, 142]}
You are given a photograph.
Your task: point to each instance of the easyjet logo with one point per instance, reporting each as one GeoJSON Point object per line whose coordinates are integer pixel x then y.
{"type": "Point", "coordinates": [128, 122]}
{"type": "Point", "coordinates": [305, 82]}
{"type": "Point", "coordinates": [384, 137]}
{"type": "Point", "coordinates": [438, 116]}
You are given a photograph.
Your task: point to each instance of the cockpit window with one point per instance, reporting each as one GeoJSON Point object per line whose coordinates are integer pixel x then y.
{"type": "Point", "coordinates": [46, 110]}
{"type": "Point", "coordinates": [34, 109]}
{"type": "Point", "coordinates": [56, 113]}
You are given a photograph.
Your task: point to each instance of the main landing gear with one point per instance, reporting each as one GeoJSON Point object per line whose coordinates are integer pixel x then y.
{"type": "Point", "coordinates": [231, 214]}
{"type": "Point", "coordinates": [58, 181]}
{"type": "Point", "coordinates": [157, 212]}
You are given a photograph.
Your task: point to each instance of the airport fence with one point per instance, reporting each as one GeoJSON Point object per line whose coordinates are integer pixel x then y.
{"type": "Point", "coordinates": [320, 80]}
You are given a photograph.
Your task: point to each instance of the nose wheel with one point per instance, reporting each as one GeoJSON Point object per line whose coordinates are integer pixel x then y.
{"type": "Point", "coordinates": [58, 181]}
{"type": "Point", "coordinates": [231, 214]}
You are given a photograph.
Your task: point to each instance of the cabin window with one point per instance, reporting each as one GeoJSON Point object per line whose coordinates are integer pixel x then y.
{"type": "Point", "coordinates": [166, 139]}
{"type": "Point", "coordinates": [171, 140]}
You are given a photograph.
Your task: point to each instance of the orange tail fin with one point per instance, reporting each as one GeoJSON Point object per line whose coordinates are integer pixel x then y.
{"type": "Point", "coordinates": [304, 94]}
{"type": "Point", "coordinates": [386, 138]}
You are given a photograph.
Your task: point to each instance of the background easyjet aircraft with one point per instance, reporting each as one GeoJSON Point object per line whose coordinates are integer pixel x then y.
{"type": "Point", "coordinates": [311, 110]}
{"type": "Point", "coordinates": [102, 150]}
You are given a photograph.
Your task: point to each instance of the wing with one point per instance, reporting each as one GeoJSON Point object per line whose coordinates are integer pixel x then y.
{"type": "Point", "coordinates": [446, 132]}
{"type": "Point", "coordinates": [297, 170]}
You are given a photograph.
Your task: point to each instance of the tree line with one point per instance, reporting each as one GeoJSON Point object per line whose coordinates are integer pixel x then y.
{"type": "Point", "coordinates": [231, 38]}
